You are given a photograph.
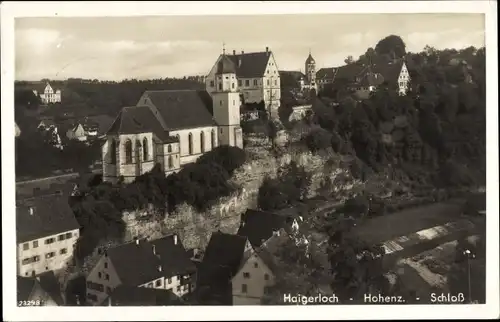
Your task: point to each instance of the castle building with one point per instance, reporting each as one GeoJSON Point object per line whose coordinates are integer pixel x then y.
{"type": "Point", "coordinates": [47, 94]}
{"type": "Point", "coordinates": [174, 127]}
{"type": "Point", "coordinates": [257, 76]}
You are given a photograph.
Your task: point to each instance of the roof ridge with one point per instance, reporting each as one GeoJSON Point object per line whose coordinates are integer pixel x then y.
{"type": "Point", "coordinates": [173, 90]}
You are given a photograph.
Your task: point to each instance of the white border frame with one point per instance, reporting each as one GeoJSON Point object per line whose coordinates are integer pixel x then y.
{"type": "Point", "coordinates": [10, 10]}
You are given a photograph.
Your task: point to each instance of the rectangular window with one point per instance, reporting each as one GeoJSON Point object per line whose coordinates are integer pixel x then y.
{"type": "Point", "coordinates": [275, 82]}
{"type": "Point", "coordinates": [220, 86]}
{"type": "Point", "coordinates": [234, 102]}
{"type": "Point", "coordinates": [49, 241]}
{"type": "Point", "coordinates": [247, 82]}
{"type": "Point", "coordinates": [26, 246]}
{"type": "Point", "coordinates": [244, 288]}
{"type": "Point", "coordinates": [246, 275]}
{"type": "Point", "coordinates": [35, 244]}
{"type": "Point", "coordinates": [266, 277]}
{"type": "Point", "coordinates": [232, 85]}
{"type": "Point", "coordinates": [50, 255]}
{"type": "Point", "coordinates": [107, 277]}
{"type": "Point", "coordinates": [99, 275]}
{"type": "Point", "coordinates": [255, 265]}
{"type": "Point", "coordinates": [239, 82]}
{"type": "Point", "coordinates": [60, 237]}
{"type": "Point", "coordinates": [69, 235]}
{"type": "Point", "coordinates": [27, 261]}
{"type": "Point", "coordinates": [254, 82]}
{"type": "Point", "coordinates": [178, 288]}
{"type": "Point", "coordinates": [169, 281]}
{"type": "Point", "coordinates": [63, 251]}
{"type": "Point", "coordinates": [158, 283]}
{"type": "Point", "coordinates": [220, 103]}
{"type": "Point", "coordinates": [105, 265]}
{"type": "Point", "coordinates": [150, 285]}
{"type": "Point", "coordinates": [268, 82]}
{"type": "Point", "coordinates": [212, 84]}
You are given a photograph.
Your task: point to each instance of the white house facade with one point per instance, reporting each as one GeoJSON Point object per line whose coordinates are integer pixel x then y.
{"type": "Point", "coordinates": [257, 76]}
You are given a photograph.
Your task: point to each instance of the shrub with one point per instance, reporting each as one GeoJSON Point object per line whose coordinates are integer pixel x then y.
{"type": "Point", "coordinates": [228, 157]}
{"type": "Point", "coordinates": [199, 185]}
{"type": "Point", "coordinates": [270, 196]}
{"type": "Point", "coordinates": [357, 206]}
{"type": "Point", "coordinates": [318, 139]}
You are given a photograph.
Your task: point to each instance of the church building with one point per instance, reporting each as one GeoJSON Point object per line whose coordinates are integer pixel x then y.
{"type": "Point", "coordinates": [258, 79]}
{"type": "Point", "coordinates": [174, 127]}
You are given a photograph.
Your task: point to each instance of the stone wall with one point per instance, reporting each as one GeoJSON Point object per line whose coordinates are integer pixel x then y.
{"type": "Point", "coordinates": [195, 228]}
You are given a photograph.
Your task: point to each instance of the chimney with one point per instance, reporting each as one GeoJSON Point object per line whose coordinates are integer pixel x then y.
{"type": "Point", "coordinates": [154, 249]}
{"type": "Point", "coordinates": [159, 268]}
{"type": "Point", "coordinates": [109, 301]}
{"type": "Point", "coordinates": [136, 240]}
{"type": "Point", "coordinates": [175, 239]}
{"type": "Point", "coordinates": [234, 52]}
{"type": "Point", "coordinates": [239, 62]}
{"type": "Point", "coordinates": [242, 52]}
{"type": "Point", "coordinates": [32, 211]}
{"type": "Point", "coordinates": [267, 49]}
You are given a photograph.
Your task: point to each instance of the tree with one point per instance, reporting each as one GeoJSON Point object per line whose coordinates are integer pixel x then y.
{"type": "Point", "coordinates": [229, 157]}
{"type": "Point", "coordinates": [349, 60]}
{"type": "Point", "coordinates": [318, 139]}
{"type": "Point", "coordinates": [392, 45]}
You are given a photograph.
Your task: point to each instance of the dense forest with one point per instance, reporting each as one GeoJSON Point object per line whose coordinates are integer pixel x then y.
{"type": "Point", "coordinates": [434, 135]}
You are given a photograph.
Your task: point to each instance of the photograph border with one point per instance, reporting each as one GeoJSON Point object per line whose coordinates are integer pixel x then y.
{"type": "Point", "coordinates": [12, 10]}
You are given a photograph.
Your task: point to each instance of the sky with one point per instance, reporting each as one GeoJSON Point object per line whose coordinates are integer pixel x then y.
{"type": "Point", "coordinates": [141, 47]}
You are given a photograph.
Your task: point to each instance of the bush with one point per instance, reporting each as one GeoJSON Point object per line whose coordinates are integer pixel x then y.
{"type": "Point", "coordinates": [270, 196]}
{"type": "Point", "coordinates": [228, 157]}
{"type": "Point", "coordinates": [318, 139]}
{"type": "Point", "coordinates": [199, 185]}
{"type": "Point", "coordinates": [357, 206]}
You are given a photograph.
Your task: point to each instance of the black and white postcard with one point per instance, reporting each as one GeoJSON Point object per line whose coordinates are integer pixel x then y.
{"type": "Point", "coordinates": [249, 160]}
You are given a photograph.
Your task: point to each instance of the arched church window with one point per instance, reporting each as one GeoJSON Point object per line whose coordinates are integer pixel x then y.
{"type": "Point", "coordinates": [202, 141]}
{"type": "Point", "coordinates": [213, 139]}
{"type": "Point", "coordinates": [112, 151]}
{"type": "Point", "coordinates": [128, 151]}
{"type": "Point", "coordinates": [190, 143]}
{"type": "Point", "coordinates": [145, 149]}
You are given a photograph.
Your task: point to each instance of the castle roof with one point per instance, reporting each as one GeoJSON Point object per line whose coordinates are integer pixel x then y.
{"type": "Point", "coordinates": [226, 66]}
{"type": "Point", "coordinates": [250, 65]}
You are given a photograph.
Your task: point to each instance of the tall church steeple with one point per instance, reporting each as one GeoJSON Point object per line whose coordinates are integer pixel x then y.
{"type": "Point", "coordinates": [310, 69]}
{"type": "Point", "coordinates": [226, 103]}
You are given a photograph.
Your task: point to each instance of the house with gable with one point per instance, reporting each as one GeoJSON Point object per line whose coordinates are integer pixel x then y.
{"type": "Point", "coordinates": [238, 269]}
{"type": "Point", "coordinates": [162, 264]}
{"type": "Point", "coordinates": [258, 78]}
{"type": "Point", "coordinates": [44, 288]}
{"type": "Point", "coordinates": [47, 93]}
{"type": "Point", "coordinates": [364, 79]}
{"type": "Point", "coordinates": [46, 233]}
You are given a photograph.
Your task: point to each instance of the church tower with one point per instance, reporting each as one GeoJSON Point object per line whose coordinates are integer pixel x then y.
{"type": "Point", "coordinates": [310, 70]}
{"type": "Point", "coordinates": [226, 103]}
